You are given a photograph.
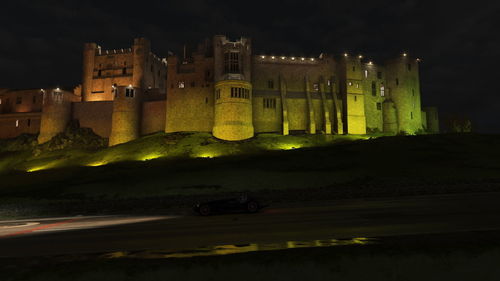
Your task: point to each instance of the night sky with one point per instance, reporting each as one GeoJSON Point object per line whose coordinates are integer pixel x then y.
{"type": "Point", "coordinates": [41, 41]}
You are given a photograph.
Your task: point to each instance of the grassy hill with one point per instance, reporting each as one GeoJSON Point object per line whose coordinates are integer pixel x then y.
{"type": "Point", "coordinates": [172, 169]}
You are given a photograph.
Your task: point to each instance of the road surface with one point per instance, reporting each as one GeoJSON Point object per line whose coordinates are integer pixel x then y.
{"type": "Point", "coordinates": [342, 219]}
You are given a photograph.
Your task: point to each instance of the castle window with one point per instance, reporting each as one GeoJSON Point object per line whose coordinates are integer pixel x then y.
{"type": "Point", "coordinates": [355, 98]}
{"type": "Point", "coordinates": [316, 87]}
{"type": "Point", "coordinates": [17, 123]}
{"type": "Point", "coordinates": [269, 103]}
{"type": "Point", "coordinates": [129, 92]}
{"type": "Point", "coordinates": [329, 82]}
{"type": "Point", "coordinates": [411, 115]}
{"type": "Point", "coordinates": [357, 85]}
{"type": "Point", "coordinates": [19, 100]}
{"type": "Point", "coordinates": [34, 99]}
{"type": "Point", "coordinates": [366, 73]}
{"type": "Point", "coordinates": [382, 90]}
{"type": "Point", "coordinates": [124, 71]}
{"type": "Point", "coordinates": [353, 68]}
{"type": "Point", "coordinates": [181, 84]}
{"type": "Point", "coordinates": [374, 88]}
{"type": "Point", "coordinates": [413, 92]}
{"type": "Point", "coordinates": [409, 67]}
{"type": "Point", "coordinates": [207, 75]}
{"type": "Point", "coordinates": [379, 75]}
{"type": "Point", "coordinates": [99, 73]}
{"type": "Point", "coordinates": [397, 81]}
{"type": "Point", "coordinates": [379, 106]}
{"type": "Point", "coordinates": [232, 62]}
{"type": "Point", "coordinates": [193, 84]}
{"type": "Point", "coordinates": [270, 84]}
{"type": "Point", "coordinates": [29, 122]}
{"type": "Point", "coordinates": [217, 94]}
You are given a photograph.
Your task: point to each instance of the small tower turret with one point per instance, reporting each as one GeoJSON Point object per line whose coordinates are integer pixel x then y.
{"type": "Point", "coordinates": [404, 90]}
{"type": "Point", "coordinates": [56, 112]}
{"type": "Point", "coordinates": [351, 87]}
{"type": "Point", "coordinates": [125, 122]}
{"type": "Point", "coordinates": [89, 53]}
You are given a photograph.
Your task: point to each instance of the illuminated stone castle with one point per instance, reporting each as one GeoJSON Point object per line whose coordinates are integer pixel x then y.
{"type": "Point", "coordinates": [225, 89]}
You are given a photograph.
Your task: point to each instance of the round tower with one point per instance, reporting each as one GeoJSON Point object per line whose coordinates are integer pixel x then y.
{"type": "Point", "coordinates": [125, 121]}
{"type": "Point", "coordinates": [233, 119]}
{"type": "Point", "coordinates": [89, 52]}
{"type": "Point", "coordinates": [56, 113]}
{"type": "Point", "coordinates": [404, 84]}
{"type": "Point", "coordinates": [389, 116]}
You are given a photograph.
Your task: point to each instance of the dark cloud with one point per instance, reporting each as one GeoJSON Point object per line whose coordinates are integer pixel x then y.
{"type": "Point", "coordinates": [42, 40]}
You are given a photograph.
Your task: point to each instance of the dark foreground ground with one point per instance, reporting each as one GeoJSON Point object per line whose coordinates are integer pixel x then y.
{"type": "Point", "coordinates": [440, 237]}
{"type": "Point", "coordinates": [456, 256]}
{"type": "Point", "coordinates": [387, 166]}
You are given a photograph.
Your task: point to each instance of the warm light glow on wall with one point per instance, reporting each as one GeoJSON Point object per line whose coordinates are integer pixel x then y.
{"type": "Point", "coordinates": [273, 57]}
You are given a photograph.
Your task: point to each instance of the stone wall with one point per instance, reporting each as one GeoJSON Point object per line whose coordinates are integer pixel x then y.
{"type": "Point", "coordinates": [15, 124]}
{"type": "Point", "coordinates": [190, 98]}
{"type": "Point", "coordinates": [94, 115]}
{"type": "Point", "coordinates": [153, 117]}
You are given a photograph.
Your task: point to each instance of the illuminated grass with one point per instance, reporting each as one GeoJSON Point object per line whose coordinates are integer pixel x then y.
{"type": "Point", "coordinates": [161, 145]}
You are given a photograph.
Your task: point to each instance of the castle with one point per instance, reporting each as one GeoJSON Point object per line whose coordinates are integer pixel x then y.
{"type": "Point", "coordinates": [225, 89]}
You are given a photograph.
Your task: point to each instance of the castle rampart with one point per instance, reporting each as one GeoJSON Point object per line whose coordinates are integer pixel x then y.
{"type": "Point", "coordinates": [224, 89]}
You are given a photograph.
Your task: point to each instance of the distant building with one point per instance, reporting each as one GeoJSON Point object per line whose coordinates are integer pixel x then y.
{"type": "Point", "coordinates": [225, 89]}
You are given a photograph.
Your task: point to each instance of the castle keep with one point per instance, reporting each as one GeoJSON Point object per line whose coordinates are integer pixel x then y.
{"type": "Point", "coordinates": [225, 89]}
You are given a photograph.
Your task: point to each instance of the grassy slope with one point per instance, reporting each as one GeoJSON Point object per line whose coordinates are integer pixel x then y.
{"type": "Point", "coordinates": [383, 166]}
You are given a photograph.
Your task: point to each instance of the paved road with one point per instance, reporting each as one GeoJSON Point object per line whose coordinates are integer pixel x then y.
{"type": "Point", "coordinates": [321, 220]}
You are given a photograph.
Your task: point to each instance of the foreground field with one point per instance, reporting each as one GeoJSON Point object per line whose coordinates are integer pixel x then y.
{"type": "Point", "coordinates": [459, 256]}
{"type": "Point", "coordinates": [337, 168]}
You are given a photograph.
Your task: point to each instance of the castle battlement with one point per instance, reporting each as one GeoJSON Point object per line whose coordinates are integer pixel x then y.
{"type": "Point", "coordinates": [285, 59]}
{"type": "Point", "coordinates": [100, 52]}
{"type": "Point", "coordinates": [224, 89]}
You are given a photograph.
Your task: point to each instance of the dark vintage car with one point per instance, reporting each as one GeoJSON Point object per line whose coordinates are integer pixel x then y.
{"type": "Point", "coordinates": [242, 203]}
